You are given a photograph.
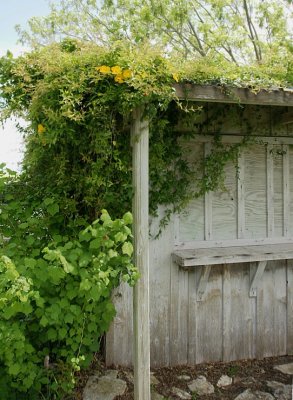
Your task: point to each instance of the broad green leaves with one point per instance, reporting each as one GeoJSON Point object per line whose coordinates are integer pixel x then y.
{"type": "Point", "coordinates": [55, 291]}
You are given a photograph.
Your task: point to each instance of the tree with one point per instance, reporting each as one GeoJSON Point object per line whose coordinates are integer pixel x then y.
{"type": "Point", "coordinates": [241, 31]}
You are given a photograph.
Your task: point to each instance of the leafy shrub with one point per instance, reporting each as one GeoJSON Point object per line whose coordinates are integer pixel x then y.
{"type": "Point", "coordinates": [55, 300]}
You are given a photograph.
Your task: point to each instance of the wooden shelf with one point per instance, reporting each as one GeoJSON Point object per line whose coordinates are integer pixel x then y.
{"type": "Point", "coordinates": [232, 255]}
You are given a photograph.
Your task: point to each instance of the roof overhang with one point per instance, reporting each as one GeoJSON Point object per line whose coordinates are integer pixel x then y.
{"type": "Point", "coordinates": [221, 94]}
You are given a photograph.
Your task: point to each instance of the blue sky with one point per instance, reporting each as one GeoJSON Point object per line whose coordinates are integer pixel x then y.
{"type": "Point", "coordinates": [14, 12]}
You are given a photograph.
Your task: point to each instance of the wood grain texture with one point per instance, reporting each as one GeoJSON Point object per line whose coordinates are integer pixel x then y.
{"type": "Point", "coordinates": [120, 334]}
{"type": "Point", "coordinates": [279, 192]}
{"type": "Point", "coordinates": [255, 193]}
{"type": "Point", "coordinates": [209, 320]}
{"type": "Point", "coordinates": [160, 269]}
{"type": "Point", "coordinates": [141, 324]}
{"type": "Point", "coordinates": [241, 198]}
{"type": "Point", "coordinates": [286, 190]}
{"type": "Point", "coordinates": [234, 95]}
{"type": "Point", "coordinates": [270, 191]}
{"type": "Point", "coordinates": [179, 311]}
{"type": "Point", "coordinates": [290, 307]}
{"type": "Point", "coordinates": [232, 255]}
{"type": "Point", "coordinates": [224, 207]}
{"type": "Point", "coordinates": [272, 310]}
{"type": "Point", "coordinates": [238, 326]}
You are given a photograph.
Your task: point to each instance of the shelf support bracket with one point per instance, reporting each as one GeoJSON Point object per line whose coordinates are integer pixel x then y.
{"type": "Point", "coordinates": [261, 265]}
{"type": "Point", "coordinates": [203, 281]}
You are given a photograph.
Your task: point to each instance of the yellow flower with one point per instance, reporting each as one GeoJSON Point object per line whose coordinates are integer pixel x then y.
{"type": "Point", "coordinates": [41, 129]}
{"type": "Point", "coordinates": [116, 70]}
{"type": "Point", "coordinates": [126, 73]}
{"type": "Point", "coordinates": [119, 78]}
{"type": "Point", "coordinates": [176, 77]}
{"type": "Point", "coordinates": [104, 69]}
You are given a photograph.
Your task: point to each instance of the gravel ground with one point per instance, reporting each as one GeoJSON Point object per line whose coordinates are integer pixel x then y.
{"type": "Point", "coordinates": [241, 371]}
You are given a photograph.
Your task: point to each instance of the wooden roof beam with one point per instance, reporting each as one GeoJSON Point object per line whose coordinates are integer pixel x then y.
{"type": "Point", "coordinates": [219, 94]}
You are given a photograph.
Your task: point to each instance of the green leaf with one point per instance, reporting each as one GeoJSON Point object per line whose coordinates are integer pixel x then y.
{"type": "Point", "coordinates": [127, 248]}
{"type": "Point", "coordinates": [85, 284]}
{"type": "Point", "coordinates": [95, 244]}
{"type": "Point", "coordinates": [53, 209]}
{"type": "Point", "coordinates": [44, 321]}
{"type": "Point", "coordinates": [68, 268]}
{"type": "Point", "coordinates": [128, 219]}
{"type": "Point", "coordinates": [120, 237]}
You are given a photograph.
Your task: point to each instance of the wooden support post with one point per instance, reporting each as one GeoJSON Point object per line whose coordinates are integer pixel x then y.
{"type": "Point", "coordinates": [141, 330]}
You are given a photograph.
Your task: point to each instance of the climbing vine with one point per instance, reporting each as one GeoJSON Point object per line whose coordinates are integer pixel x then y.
{"type": "Point", "coordinates": [59, 250]}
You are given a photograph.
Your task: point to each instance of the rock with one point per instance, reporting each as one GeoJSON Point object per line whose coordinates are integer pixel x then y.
{"type": "Point", "coordinates": [224, 381]}
{"type": "Point", "coordinates": [112, 373]}
{"type": "Point", "coordinates": [285, 368]}
{"type": "Point", "coordinates": [201, 386]}
{"type": "Point", "coordinates": [153, 379]}
{"type": "Point", "coordinates": [156, 396]}
{"type": "Point", "coordinates": [184, 377]}
{"type": "Point", "coordinates": [181, 394]}
{"type": "Point", "coordinates": [129, 376]}
{"type": "Point", "coordinates": [249, 395]}
{"type": "Point", "coordinates": [280, 390]}
{"type": "Point", "coordinates": [247, 381]}
{"type": "Point", "coordinates": [103, 388]}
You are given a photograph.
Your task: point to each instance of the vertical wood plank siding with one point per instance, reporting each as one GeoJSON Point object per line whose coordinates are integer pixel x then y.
{"type": "Point", "coordinates": [227, 324]}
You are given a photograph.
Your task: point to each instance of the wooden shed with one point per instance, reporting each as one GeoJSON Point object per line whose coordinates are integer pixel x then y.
{"type": "Point", "coordinates": [221, 272]}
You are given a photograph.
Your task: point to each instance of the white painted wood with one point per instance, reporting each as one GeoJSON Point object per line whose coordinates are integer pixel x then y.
{"type": "Point", "coordinates": [232, 255]}
{"type": "Point", "coordinates": [141, 329]}
{"type": "Point", "coordinates": [208, 214]}
{"type": "Point", "coordinates": [203, 282]}
{"type": "Point", "coordinates": [270, 191]}
{"type": "Point", "coordinates": [261, 265]}
{"type": "Point", "coordinates": [286, 191]}
{"type": "Point", "coordinates": [240, 198]}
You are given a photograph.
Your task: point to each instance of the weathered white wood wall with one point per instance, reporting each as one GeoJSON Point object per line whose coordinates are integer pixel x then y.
{"type": "Point", "coordinates": [227, 324]}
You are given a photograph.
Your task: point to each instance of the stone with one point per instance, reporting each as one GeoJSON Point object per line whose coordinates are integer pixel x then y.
{"type": "Point", "coordinates": [184, 377]}
{"type": "Point", "coordinates": [103, 388]}
{"type": "Point", "coordinates": [249, 395]}
{"type": "Point", "coordinates": [224, 381]}
{"type": "Point", "coordinates": [181, 394]}
{"type": "Point", "coordinates": [285, 368]}
{"type": "Point", "coordinates": [156, 396]}
{"type": "Point", "coordinates": [111, 373]}
{"type": "Point", "coordinates": [280, 390]}
{"type": "Point", "coordinates": [153, 379]}
{"type": "Point", "coordinates": [247, 381]}
{"type": "Point", "coordinates": [201, 386]}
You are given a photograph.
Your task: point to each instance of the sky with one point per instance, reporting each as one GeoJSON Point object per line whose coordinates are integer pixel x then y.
{"type": "Point", "coordinates": [14, 12]}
